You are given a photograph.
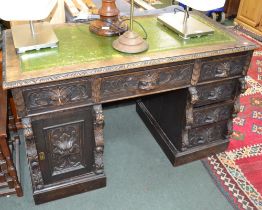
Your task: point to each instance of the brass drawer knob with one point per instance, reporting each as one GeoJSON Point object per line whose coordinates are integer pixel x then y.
{"type": "Point", "coordinates": [41, 156]}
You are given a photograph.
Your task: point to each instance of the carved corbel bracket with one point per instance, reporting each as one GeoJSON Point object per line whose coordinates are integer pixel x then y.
{"type": "Point", "coordinates": [185, 141]}
{"type": "Point", "coordinates": [189, 123]}
{"type": "Point", "coordinates": [236, 108]}
{"type": "Point", "coordinates": [196, 72]}
{"type": "Point", "coordinates": [37, 179]}
{"type": "Point", "coordinates": [19, 102]}
{"type": "Point", "coordinates": [193, 94]}
{"type": "Point", "coordinates": [243, 85]}
{"type": "Point", "coordinates": [247, 63]}
{"type": "Point", "coordinates": [99, 139]}
{"type": "Point", "coordinates": [229, 128]}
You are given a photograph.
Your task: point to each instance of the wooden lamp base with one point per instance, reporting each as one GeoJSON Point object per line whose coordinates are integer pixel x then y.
{"type": "Point", "coordinates": [109, 23]}
{"type": "Point", "coordinates": [130, 42]}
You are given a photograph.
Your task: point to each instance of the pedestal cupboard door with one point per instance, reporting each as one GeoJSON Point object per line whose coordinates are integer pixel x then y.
{"type": "Point", "coordinates": [65, 144]}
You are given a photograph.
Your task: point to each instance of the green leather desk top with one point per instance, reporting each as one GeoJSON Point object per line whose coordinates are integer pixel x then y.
{"type": "Point", "coordinates": [77, 45]}
{"type": "Point", "coordinates": [82, 53]}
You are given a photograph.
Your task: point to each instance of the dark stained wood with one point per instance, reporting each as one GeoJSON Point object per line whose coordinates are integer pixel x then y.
{"type": "Point", "coordinates": [188, 100]}
{"type": "Point", "coordinates": [189, 110]}
{"type": "Point", "coordinates": [70, 187]}
{"type": "Point", "coordinates": [65, 144]}
{"type": "Point", "coordinates": [175, 156]}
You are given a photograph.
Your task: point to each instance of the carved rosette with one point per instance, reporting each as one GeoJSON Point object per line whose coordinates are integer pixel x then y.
{"type": "Point", "coordinates": [37, 179]}
{"type": "Point", "coordinates": [99, 139]}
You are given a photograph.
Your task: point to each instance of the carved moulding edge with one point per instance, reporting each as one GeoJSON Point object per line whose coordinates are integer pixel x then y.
{"type": "Point", "coordinates": [99, 139]}
{"type": "Point", "coordinates": [32, 155]}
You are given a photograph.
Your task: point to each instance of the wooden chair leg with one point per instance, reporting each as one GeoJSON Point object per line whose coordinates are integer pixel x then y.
{"type": "Point", "coordinates": [10, 166]}
{"type": "Point", "coordinates": [14, 121]}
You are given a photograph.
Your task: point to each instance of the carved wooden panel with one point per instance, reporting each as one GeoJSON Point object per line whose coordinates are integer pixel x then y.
{"type": "Point", "coordinates": [206, 134]}
{"type": "Point", "coordinates": [211, 114]}
{"type": "Point", "coordinates": [57, 95]}
{"type": "Point", "coordinates": [222, 68]}
{"type": "Point", "coordinates": [65, 144]}
{"type": "Point", "coordinates": [213, 93]}
{"type": "Point", "coordinates": [147, 81]}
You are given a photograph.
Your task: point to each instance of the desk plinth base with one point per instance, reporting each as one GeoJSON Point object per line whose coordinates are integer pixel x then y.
{"type": "Point", "coordinates": [175, 156]}
{"type": "Point", "coordinates": [74, 186]}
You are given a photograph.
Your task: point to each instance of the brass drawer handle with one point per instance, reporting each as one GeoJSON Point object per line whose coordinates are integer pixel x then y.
{"type": "Point", "coordinates": [209, 119]}
{"type": "Point", "coordinates": [221, 73]}
{"type": "Point", "coordinates": [200, 140]}
{"type": "Point", "coordinates": [222, 69]}
{"type": "Point", "coordinates": [212, 96]}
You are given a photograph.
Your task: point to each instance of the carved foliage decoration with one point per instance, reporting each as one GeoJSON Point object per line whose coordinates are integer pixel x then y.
{"type": "Point", "coordinates": [64, 145]}
{"type": "Point", "coordinates": [180, 75]}
{"type": "Point", "coordinates": [57, 95]}
{"type": "Point", "coordinates": [36, 175]}
{"type": "Point", "coordinates": [99, 139]}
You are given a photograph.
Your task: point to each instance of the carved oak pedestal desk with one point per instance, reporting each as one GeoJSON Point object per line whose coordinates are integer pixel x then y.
{"type": "Point", "coordinates": [190, 88]}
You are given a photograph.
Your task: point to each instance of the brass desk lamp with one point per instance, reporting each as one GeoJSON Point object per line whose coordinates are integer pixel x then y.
{"type": "Point", "coordinates": [33, 35]}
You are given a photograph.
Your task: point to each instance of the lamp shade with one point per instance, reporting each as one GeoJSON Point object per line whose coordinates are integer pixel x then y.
{"type": "Point", "coordinates": [19, 10]}
{"type": "Point", "coordinates": [203, 5]}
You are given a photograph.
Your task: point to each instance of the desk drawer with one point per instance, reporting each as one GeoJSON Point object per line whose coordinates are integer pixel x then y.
{"type": "Point", "coordinates": [206, 134]}
{"type": "Point", "coordinates": [218, 68]}
{"type": "Point", "coordinates": [215, 92]}
{"type": "Point", "coordinates": [147, 81]}
{"type": "Point", "coordinates": [211, 114]}
{"type": "Point", "coordinates": [55, 96]}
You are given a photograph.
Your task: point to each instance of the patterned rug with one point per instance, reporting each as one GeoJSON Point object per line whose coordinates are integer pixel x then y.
{"type": "Point", "coordinates": [238, 171]}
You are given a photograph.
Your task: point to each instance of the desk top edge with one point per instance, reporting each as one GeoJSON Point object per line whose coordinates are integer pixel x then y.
{"type": "Point", "coordinates": [241, 45]}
